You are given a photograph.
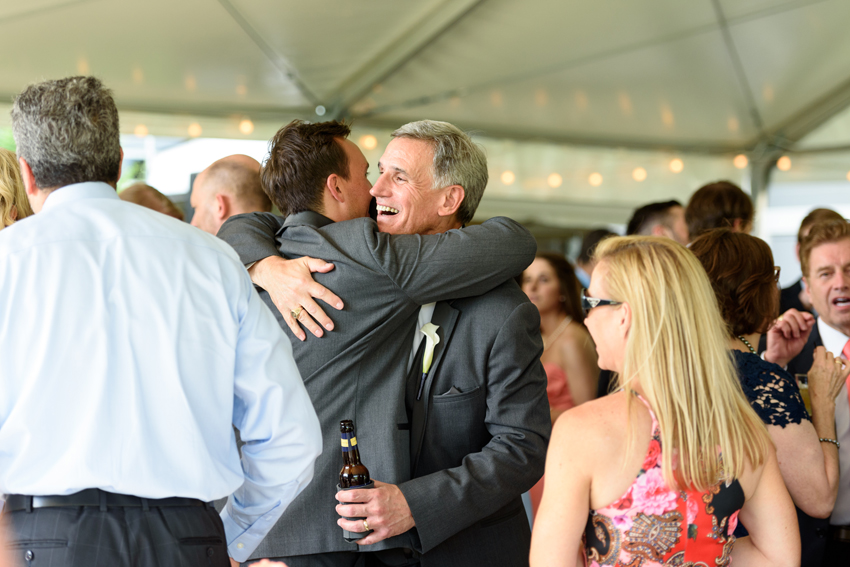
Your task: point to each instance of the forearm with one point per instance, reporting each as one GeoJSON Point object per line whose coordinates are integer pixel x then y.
{"type": "Point", "coordinates": [823, 419]}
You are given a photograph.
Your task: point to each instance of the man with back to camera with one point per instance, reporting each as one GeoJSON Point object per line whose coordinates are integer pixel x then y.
{"type": "Point", "coordinates": [665, 218]}
{"type": "Point", "coordinates": [230, 186]}
{"type": "Point", "coordinates": [123, 378]}
{"type": "Point", "coordinates": [474, 428]}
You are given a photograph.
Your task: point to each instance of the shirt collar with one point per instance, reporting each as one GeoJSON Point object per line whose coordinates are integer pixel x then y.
{"type": "Point", "coordinates": [79, 191]}
{"type": "Point", "coordinates": [833, 339]}
{"type": "Point", "coordinates": [310, 218]}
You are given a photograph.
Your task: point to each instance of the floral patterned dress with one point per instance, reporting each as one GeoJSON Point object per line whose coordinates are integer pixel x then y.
{"type": "Point", "coordinates": [651, 525]}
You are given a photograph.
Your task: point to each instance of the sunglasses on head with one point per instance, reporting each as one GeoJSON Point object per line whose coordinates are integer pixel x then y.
{"type": "Point", "coordinates": [588, 303]}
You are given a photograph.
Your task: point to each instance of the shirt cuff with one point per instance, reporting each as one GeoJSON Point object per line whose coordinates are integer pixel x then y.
{"type": "Point", "coordinates": [241, 543]}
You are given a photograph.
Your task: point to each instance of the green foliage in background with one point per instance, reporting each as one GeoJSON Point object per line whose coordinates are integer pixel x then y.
{"type": "Point", "coordinates": [131, 172]}
{"type": "Point", "coordinates": [6, 139]}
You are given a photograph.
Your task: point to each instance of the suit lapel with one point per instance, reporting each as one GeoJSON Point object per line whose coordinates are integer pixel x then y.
{"type": "Point", "coordinates": [445, 317]}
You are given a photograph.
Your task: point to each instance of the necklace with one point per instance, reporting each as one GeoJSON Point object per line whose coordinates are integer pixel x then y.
{"type": "Point", "coordinates": [560, 329]}
{"type": "Point", "coordinates": [747, 343]}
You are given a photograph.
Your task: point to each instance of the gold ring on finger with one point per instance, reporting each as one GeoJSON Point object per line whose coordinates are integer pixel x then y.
{"type": "Point", "coordinates": [296, 312]}
{"type": "Point", "coordinates": [365, 525]}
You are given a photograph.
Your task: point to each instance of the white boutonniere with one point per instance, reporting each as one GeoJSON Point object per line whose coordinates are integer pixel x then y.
{"type": "Point", "coordinates": [431, 340]}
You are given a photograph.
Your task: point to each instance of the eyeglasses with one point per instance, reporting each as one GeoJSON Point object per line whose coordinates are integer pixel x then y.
{"type": "Point", "coordinates": [588, 303]}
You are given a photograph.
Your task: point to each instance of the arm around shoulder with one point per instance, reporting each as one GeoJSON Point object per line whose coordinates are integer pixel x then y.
{"type": "Point", "coordinates": [457, 263]}
{"type": "Point", "coordinates": [252, 235]}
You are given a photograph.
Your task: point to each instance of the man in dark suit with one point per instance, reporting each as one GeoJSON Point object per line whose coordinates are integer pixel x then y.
{"type": "Point", "coordinates": [825, 260]}
{"type": "Point", "coordinates": [475, 424]}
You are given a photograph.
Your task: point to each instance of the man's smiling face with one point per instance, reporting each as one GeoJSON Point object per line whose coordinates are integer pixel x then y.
{"type": "Point", "coordinates": [405, 194]}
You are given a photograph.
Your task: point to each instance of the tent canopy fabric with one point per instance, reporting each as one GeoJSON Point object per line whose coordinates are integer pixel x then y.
{"type": "Point", "coordinates": [701, 75]}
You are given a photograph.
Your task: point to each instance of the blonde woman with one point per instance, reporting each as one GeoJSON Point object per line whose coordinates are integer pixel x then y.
{"type": "Point", "coordinates": [13, 197]}
{"type": "Point", "coordinates": [636, 478]}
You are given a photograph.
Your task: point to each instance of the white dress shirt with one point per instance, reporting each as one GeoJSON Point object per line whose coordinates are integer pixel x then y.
{"type": "Point", "coordinates": [129, 344]}
{"type": "Point", "coordinates": [834, 341]}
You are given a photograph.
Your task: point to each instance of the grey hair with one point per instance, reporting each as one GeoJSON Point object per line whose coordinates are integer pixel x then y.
{"type": "Point", "coordinates": [457, 161]}
{"type": "Point", "coordinates": [67, 131]}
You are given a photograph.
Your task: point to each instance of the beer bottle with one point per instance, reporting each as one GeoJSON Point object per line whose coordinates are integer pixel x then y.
{"type": "Point", "coordinates": [353, 473]}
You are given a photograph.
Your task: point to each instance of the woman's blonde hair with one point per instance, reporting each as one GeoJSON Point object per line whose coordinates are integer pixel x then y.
{"type": "Point", "coordinates": [12, 191]}
{"type": "Point", "coordinates": [677, 348]}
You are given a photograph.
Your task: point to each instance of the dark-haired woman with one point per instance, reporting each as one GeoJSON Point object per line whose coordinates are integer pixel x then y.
{"type": "Point", "coordinates": [569, 356]}
{"type": "Point", "coordinates": [740, 268]}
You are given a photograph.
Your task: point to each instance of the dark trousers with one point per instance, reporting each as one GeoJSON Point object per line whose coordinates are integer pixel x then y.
{"type": "Point", "coordinates": [86, 536]}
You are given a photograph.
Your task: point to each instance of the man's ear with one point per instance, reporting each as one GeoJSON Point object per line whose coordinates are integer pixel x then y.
{"type": "Point", "coordinates": [660, 230]}
{"type": "Point", "coordinates": [807, 288]}
{"type": "Point", "coordinates": [797, 252]}
{"type": "Point", "coordinates": [332, 184]}
{"type": "Point", "coordinates": [28, 177]}
{"type": "Point", "coordinates": [452, 198]}
{"type": "Point", "coordinates": [120, 165]}
{"type": "Point", "coordinates": [223, 206]}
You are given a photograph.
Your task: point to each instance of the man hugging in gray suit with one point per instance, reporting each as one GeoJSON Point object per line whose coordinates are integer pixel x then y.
{"type": "Point", "coordinates": [455, 443]}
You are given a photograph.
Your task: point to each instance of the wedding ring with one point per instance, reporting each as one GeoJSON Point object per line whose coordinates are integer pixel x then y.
{"type": "Point", "coordinates": [780, 319]}
{"type": "Point", "coordinates": [296, 312]}
{"type": "Point", "coordinates": [365, 525]}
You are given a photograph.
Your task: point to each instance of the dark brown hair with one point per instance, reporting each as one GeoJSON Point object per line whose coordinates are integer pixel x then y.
{"type": "Point", "coordinates": [741, 270]}
{"type": "Point", "coordinates": [815, 217]}
{"type": "Point", "coordinates": [569, 285]}
{"type": "Point", "coordinates": [822, 233]}
{"type": "Point", "coordinates": [717, 205]}
{"type": "Point", "coordinates": [301, 157]}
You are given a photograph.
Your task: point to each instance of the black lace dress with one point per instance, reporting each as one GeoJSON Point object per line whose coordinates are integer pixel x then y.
{"type": "Point", "coordinates": [773, 393]}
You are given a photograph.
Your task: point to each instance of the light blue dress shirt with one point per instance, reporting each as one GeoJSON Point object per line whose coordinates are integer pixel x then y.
{"type": "Point", "coordinates": [129, 344]}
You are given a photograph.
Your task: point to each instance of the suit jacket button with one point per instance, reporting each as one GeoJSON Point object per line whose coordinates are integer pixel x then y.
{"type": "Point", "coordinates": [29, 555]}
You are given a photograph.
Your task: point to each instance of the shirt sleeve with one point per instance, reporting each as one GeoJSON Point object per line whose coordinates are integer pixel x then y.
{"type": "Point", "coordinates": [277, 423]}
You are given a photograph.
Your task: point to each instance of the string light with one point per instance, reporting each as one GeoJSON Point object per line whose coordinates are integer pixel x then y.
{"type": "Point", "coordinates": [554, 180]}
{"type": "Point", "coordinates": [195, 129]}
{"type": "Point", "coordinates": [677, 165]}
{"type": "Point", "coordinates": [508, 177]}
{"type": "Point", "coordinates": [595, 179]}
{"type": "Point", "coordinates": [369, 142]}
{"type": "Point", "coordinates": [141, 131]}
{"type": "Point", "coordinates": [783, 163]}
{"type": "Point", "coordinates": [639, 174]}
{"type": "Point", "coordinates": [740, 161]}
{"type": "Point", "coordinates": [246, 126]}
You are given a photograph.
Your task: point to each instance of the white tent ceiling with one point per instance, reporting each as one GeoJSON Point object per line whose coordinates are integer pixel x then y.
{"type": "Point", "coordinates": [701, 76]}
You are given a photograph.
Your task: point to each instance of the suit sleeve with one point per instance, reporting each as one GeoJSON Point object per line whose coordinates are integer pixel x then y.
{"type": "Point", "coordinates": [457, 263]}
{"type": "Point", "coordinates": [517, 417]}
{"type": "Point", "coordinates": [252, 235]}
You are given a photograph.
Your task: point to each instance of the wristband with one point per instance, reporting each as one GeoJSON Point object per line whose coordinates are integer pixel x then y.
{"type": "Point", "coordinates": [833, 441]}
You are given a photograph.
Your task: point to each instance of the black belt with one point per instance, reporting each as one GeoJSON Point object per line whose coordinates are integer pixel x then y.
{"type": "Point", "coordinates": [840, 533]}
{"type": "Point", "coordinates": [94, 497]}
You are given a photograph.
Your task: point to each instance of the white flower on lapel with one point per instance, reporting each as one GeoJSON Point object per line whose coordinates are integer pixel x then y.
{"type": "Point", "coordinates": [431, 340]}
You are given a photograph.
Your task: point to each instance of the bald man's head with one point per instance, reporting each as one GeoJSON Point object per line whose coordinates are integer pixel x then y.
{"type": "Point", "coordinates": [230, 186]}
{"type": "Point", "coordinates": [148, 197]}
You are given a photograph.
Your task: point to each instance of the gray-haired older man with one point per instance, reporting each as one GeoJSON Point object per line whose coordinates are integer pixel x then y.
{"type": "Point", "coordinates": [455, 442]}
{"type": "Point", "coordinates": [139, 342]}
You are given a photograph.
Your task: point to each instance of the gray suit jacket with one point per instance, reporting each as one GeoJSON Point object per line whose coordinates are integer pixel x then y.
{"type": "Point", "coordinates": [473, 453]}
{"type": "Point", "coordinates": [358, 371]}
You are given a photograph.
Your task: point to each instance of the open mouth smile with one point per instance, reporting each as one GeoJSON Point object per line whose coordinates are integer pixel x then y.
{"type": "Point", "coordinates": [383, 210]}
